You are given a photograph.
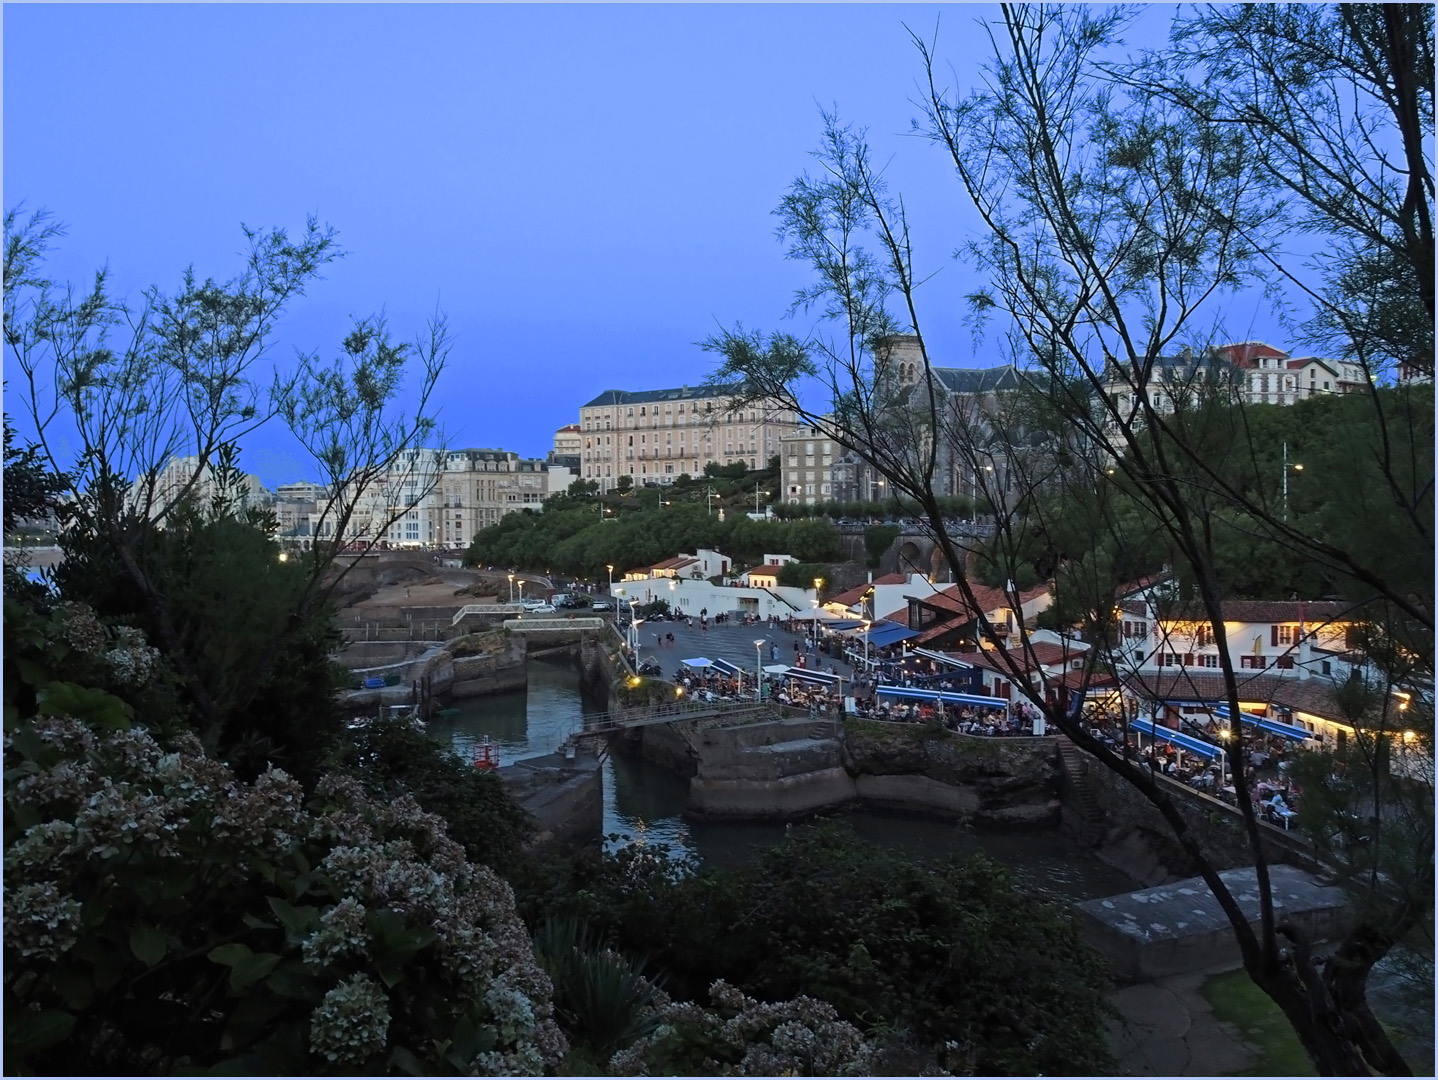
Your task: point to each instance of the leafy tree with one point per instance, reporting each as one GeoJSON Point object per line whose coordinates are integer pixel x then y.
{"type": "Point", "coordinates": [801, 575]}
{"type": "Point", "coordinates": [1114, 219]}
{"type": "Point", "coordinates": [948, 949]}
{"type": "Point", "coordinates": [31, 490]}
{"type": "Point", "coordinates": [176, 375]}
{"type": "Point", "coordinates": [877, 541]}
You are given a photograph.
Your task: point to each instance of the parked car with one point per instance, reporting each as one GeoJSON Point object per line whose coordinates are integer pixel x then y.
{"type": "Point", "coordinates": [539, 609]}
{"type": "Point", "coordinates": [601, 605]}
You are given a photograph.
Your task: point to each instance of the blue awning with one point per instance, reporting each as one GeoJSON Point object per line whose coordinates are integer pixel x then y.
{"type": "Point", "coordinates": [948, 697]}
{"type": "Point", "coordinates": [939, 657]}
{"type": "Point", "coordinates": [843, 624]}
{"type": "Point", "coordinates": [726, 667]}
{"type": "Point", "coordinates": [1277, 727]}
{"type": "Point", "coordinates": [883, 634]}
{"type": "Point", "coordinates": [697, 662]}
{"type": "Point", "coordinates": [1177, 738]}
{"type": "Point", "coordinates": [823, 678]}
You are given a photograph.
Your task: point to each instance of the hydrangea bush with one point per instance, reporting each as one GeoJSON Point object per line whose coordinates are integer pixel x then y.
{"type": "Point", "coordinates": [740, 1036]}
{"type": "Point", "coordinates": [161, 915]}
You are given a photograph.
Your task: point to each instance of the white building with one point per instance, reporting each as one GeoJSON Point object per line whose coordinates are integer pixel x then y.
{"type": "Point", "coordinates": [684, 584]}
{"type": "Point", "coordinates": [653, 436]}
{"type": "Point", "coordinates": [172, 478]}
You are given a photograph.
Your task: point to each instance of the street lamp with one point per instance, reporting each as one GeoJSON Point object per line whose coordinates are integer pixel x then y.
{"type": "Point", "coordinates": [610, 567]}
{"type": "Point", "coordinates": [1296, 468]}
{"type": "Point", "coordinates": [511, 588]}
{"type": "Point", "coordinates": [521, 590]}
{"type": "Point", "coordinates": [758, 669]}
{"type": "Point", "coordinates": [633, 633]}
{"type": "Point", "coordinates": [818, 583]}
{"type": "Point", "coordinates": [866, 644]}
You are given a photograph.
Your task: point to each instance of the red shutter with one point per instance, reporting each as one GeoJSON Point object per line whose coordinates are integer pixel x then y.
{"type": "Point", "coordinates": [1127, 629]}
{"type": "Point", "coordinates": [1285, 661]}
{"type": "Point", "coordinates": [1274, 630]}
{"type": "Point", "coordinates": [1188, 659]}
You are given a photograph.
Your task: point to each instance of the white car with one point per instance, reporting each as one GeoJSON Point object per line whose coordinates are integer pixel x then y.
{"type": "Point", "coordinates": [601, 605]}
{"type": "Point", "coordinates": [532, 605]}
{"type": "Point", "coordinates": [539, 609]}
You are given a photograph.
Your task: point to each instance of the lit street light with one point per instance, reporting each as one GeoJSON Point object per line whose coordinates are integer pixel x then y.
{"type": "Point", "coordinates": [818, 584]}
{"type": "Point", "coordinates": [758, 669]}
{"type": "Point", "coordinates": [511, 588]}
{"type": "Point", "coordinates": [866, 644]}
{"type": "Point", "coordinates": [610, 568]}
{"type": "Point", "coordinates": [1296, 468]}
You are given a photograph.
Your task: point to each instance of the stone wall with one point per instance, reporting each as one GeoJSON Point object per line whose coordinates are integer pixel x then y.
{"type": "Point", "coordinates": [789, 768]}
{"type": "Point", "coordinates": [1138, 840]}
{"type": "Point", "coordinates": [991, 782]}
{"type": "Point", "coordinates": [498, 665]}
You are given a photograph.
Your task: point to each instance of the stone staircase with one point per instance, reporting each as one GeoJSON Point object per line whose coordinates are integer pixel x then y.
{"type": "Point", "coordinates": [1090, 825]}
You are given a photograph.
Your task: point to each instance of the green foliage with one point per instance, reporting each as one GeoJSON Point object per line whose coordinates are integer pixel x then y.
{"type": "Point", "coordinates": [253, 655]}
{"type": "Point", "coordinates": [163, 916]}
{"type": "Point", "coordinates": [31, 489]}
{"type": "Point", "coordinates": [801, 575]}
{"type": "Point", "coordinates": [948, 949]}
{"type": "Point", "coordinates": [740, 1036]}
{"type": "Point", "coordinates": [580, 542]}
{"type": "Point", "coordinates": [601, 998]}
{"type": "Point", "coordinates": [877, 540]}
{"type": "Point", "coordinates": [390, 758]}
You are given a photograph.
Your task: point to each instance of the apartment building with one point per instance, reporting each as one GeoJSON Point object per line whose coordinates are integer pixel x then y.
{"type": "Point", "coordinates": [807, 464]}
{"type": "Point", "coordinates": [172, 477]}
{"type": "Point", "coordinates": [654, 436]}
{"type": "Point", "coordinates": [440, 499]}
{"type": "Point", "coordinates": [1251, 372]}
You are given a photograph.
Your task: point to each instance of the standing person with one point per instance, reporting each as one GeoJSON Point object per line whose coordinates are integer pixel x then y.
{"type": "Point", "coordinates": [773, 652]}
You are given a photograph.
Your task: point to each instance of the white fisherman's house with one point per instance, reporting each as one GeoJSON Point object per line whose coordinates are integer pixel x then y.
{"type": "Point", "coordinates": [1289, 657]}
{"type": "Point", "coordinates": [684, 583]}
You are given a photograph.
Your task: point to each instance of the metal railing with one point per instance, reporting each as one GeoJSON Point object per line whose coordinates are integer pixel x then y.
{"type": "Point", "coordinates": [620, 719]}
{"type": "Point", "coordinates": [572, 622]}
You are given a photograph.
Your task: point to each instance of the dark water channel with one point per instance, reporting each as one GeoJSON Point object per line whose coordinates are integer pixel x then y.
{"type": "Point", "coordinates": [643, 802]}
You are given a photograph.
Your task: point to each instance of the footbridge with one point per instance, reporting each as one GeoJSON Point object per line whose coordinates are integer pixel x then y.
{"type": "Point", "coordinates": [617, 720]}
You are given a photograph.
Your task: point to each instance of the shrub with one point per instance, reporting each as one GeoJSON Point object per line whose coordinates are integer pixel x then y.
{"type": "Point", "coordinates": [161, 916]}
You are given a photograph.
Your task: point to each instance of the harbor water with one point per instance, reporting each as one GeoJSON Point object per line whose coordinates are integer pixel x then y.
{"type": "Point", "coordinates": [644, 803]}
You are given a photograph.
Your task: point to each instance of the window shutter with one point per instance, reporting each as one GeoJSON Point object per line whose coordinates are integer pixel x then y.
{"type": "Point", "coordinates": [1274, 634]}
{"type": "Point", "coordinates": [1188, 659]}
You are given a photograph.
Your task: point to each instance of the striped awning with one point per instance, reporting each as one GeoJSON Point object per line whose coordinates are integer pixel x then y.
{"type": "Point", "coordinates": [948, 697]}
{"type": "Point", "coordinates": [1177, 738]}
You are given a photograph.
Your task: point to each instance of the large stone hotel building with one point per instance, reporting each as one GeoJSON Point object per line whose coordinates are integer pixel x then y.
{"type": "Point", "coordinates": [653, 436]}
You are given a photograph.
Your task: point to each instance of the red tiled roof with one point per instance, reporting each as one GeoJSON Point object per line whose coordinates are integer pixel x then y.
{"type": "Point", "coordinates": [767, 570]}
{"type": "Point", "coordinates": [1144, 582]}
{"type": "Point", "coordinates": [1243, 353]}
{"type": "Point", "coordinates": [989, 597]}
{"type": "Point", "coordinates": [849, 597]}
{"type": "Point", "coordinates": [1038, 654]}
{"type": "Point", "coordinates": [1206, 686]}
{"type": "Point", "coordinates": [674, 563]}
{"type": "Point", "coordinates": [1313, 612]}
{"type": "Point", "coordinates": [901, 617]}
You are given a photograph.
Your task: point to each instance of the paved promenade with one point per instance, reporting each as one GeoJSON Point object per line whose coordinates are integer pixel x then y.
{"type": "Point", "coordinates": [731, 641]}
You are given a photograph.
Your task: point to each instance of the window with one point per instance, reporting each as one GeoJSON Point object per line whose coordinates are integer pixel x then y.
{"type": "Point", "coordinates": [1285, 634]}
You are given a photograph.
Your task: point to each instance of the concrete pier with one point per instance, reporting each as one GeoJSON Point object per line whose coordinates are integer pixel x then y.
{"type": "Point", "coordinates": [1177, 928]}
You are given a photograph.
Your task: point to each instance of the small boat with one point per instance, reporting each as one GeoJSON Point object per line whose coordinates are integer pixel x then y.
{"type": "Point", "coordinates": [486, 755]}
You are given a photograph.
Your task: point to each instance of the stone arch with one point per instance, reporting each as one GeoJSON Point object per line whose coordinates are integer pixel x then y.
{"type": "Point", "coordinates": [911, 557]}
{"type": "Point", "coordinates": [938, 565]}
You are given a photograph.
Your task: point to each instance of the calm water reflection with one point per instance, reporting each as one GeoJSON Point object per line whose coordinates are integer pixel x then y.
{"type": "Point", "coordinates": [643, 802]}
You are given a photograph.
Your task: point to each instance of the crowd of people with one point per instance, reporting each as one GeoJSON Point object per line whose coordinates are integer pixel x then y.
{"type": "Point", "coordinates": [1266, 758]}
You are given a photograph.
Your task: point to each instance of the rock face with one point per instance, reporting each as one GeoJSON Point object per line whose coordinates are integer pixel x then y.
{"type": "Point", "coordinates": [775, 769]}
{"type": "Point", "coordinates": [1005, 783]}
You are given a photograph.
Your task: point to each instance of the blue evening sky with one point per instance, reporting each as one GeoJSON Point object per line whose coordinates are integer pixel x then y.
{"type": "Point", "coordinates": [585, 190]}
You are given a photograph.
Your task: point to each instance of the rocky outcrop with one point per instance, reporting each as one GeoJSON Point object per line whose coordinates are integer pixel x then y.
{"type": "Point", "coordinates": [1000, 783]}
{"type": "Point", "coordinates": [779, 769]}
